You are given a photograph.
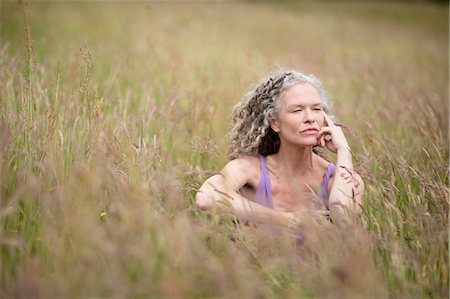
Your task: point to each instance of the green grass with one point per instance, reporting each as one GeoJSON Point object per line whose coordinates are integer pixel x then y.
{"type": "Point", "coordinates": [113, 114]}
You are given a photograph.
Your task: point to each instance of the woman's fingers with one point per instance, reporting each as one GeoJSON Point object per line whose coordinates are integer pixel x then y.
{"type": "Point", "coordinates": [321, 139]}
{"type": "Point", "coordinates": [333, 136]}
{"type": "Point", "coordinates": [330, 123]}
{"type": "Point", "coordinates": [322, 131]}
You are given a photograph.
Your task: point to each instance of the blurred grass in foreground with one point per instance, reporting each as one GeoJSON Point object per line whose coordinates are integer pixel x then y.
{"type": "Point", "coordinates": [113, 114]}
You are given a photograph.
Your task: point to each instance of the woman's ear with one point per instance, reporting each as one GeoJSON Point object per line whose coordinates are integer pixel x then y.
{"type": "Point", "coordinates": [274, 124]}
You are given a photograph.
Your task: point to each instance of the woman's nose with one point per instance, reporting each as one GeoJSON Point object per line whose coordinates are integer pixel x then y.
{"type": "Point", "coordinates": [309, 117]}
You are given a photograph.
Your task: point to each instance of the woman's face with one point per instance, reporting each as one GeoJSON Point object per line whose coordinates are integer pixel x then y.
{"type": "Point", "coordinates": [300, 115]}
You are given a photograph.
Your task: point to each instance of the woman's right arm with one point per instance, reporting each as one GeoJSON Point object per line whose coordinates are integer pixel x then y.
{"type": "Point", "coordinates": [221, 192]}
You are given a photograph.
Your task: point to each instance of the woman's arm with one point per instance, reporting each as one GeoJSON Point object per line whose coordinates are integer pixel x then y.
{"type": "Point", "coordinates": [221, 192]}
{"type": "Point", "coordinates": [347, 188]}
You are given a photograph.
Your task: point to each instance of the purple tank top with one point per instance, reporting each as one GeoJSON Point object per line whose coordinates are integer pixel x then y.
{"type": "Point", "coordinates": [263, 194]}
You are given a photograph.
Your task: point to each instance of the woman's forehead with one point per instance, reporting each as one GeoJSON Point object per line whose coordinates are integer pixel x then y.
{"type": "Point", "coordinates": [301, 94]}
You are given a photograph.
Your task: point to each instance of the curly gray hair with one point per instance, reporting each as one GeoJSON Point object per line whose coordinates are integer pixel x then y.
{"type": "Point", "coordinates": [251, 132]}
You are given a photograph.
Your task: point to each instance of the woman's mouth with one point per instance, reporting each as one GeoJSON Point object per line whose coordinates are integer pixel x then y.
{"type": "Point", "coordinates": [311, 131]}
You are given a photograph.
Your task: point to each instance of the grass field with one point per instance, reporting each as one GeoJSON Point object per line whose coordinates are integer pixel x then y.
{"type": "Point", "coordinates": [112, 114]}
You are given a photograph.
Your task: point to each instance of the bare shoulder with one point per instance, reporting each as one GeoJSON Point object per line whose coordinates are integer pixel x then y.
{"type": "Point", "coordinates": [242, 165]}
{"type": "Point", "coordinates": [323, 164]}
{"type": "Point", "coordinates": [243, 170]}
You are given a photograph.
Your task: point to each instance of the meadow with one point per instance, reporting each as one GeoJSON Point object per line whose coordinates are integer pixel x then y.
{"type": "Point", "coordinates": [112, 114]}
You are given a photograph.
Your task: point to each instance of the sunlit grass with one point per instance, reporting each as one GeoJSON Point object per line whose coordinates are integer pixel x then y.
{"type": "Point", "coordinates": [113, 114]}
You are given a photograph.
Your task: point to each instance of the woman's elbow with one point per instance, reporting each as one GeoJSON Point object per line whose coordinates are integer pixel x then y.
{"type": "Point", "coordinates": [203, 201]}
{"type": "Point", "coordinates": [205, 197]}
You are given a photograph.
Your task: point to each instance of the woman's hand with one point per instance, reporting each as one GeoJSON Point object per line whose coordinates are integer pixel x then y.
{"type": "Point", "coordinates": [306, 216]}
{"type": "Point", "coordinates": [332, 137]}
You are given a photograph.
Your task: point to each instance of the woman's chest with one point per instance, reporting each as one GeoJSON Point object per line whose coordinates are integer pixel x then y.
{"type": "Point", "coordinates": [292, 195]}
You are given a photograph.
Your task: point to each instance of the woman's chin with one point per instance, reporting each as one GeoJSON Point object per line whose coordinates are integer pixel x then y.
{"type": "Point", "coordinates": [306, 144]}
{"type": "Point", "coordinates": [310, 142]}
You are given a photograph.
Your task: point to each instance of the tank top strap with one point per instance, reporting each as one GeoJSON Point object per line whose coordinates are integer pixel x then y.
{"type": "Point", "coordinates": [323, 191]}
{"type": "Point", "coordinates": [330, 169]}
{"type": "Point", "coordinates": [263, 193]}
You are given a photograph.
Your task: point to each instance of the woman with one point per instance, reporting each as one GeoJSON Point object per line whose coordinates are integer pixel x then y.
{"type": "Point", "coordinates": [274, 176]}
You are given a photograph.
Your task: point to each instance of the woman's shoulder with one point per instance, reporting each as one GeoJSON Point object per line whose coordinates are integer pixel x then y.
{"type": "Point", "coordinates": [244, 162]}
{"type": "Point", "coordinates": [323, 164]}
{"type": "Point", "coordinates": [245, 167]}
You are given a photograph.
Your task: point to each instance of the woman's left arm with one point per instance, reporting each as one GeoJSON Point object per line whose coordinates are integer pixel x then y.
{"type": "Point", "coordinates": [347, 188]}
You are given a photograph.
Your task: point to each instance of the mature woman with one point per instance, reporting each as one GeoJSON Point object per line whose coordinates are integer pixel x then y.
{"type": "Point", "coordinates": [275, 175]}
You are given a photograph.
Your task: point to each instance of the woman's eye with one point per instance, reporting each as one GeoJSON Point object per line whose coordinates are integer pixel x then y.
{"type": "Point", "coordinates": [317, 109]}
{"type": "Point", "coordinates": [297, 110]}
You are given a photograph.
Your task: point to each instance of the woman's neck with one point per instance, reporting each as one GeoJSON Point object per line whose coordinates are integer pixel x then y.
{"type": "Point", "coordinates": [294, 161]}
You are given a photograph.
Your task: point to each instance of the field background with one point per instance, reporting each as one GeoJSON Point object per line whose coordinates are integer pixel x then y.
{"type": "Point", "coordinates": [113, 113]}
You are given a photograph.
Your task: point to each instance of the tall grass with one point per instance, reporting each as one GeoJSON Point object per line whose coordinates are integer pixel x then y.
{"type": "Point", "coordinates": [113, 114]}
